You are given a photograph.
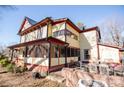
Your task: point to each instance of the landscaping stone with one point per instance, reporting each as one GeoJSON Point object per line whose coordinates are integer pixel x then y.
{"type": "Point", "coordinates": [57, 78]}
{"type": "Point", "coordinates": [73, 76]}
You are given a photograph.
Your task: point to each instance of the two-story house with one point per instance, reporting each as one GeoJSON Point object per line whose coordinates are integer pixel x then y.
{"type": "Point", "coordinates": [53, 44]}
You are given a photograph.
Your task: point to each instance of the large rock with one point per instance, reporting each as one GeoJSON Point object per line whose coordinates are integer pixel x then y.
{"type": "Point", "coordinates": [85, 76]}
{"type": "Point", "coordinates": [73, 76]}
{"type": "Point", "coordinates": [97, 83]}
{"type": "Point", "coordinates": [55, 77]}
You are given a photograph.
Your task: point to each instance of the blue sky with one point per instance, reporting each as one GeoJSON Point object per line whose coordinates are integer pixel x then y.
{"type": "Point", "coordinates": [10, 20]}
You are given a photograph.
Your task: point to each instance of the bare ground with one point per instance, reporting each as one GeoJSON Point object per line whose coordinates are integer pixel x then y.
{"type": "Point", "coordinates": [25, 80]}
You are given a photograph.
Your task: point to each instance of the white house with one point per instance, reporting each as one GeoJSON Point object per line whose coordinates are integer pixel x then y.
{"type": "Point", "coordinates": [53, 44]}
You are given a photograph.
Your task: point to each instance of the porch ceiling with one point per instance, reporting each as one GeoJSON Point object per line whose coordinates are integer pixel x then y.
{"type": "Point", "coordinates": [39, 41]}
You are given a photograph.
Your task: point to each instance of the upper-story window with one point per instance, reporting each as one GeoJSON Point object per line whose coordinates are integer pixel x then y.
{"type": "Point", "coordinates": [63, 32]}
{"type": "Point", "coordinates": [72, 35]}
{"type": "Point", "coordinates": [59, 33]}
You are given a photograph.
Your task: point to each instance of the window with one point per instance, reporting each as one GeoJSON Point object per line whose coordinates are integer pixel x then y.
{"type": "Point", "coordinates": [72, 35]}
{"type": "Point", "coordinates": [68, 52]}
{"type": "Point", "coordinates": [38, 52]}
{"type": "Point", "coordinates": [62, 51]}
{"type": "Point", "coordinates": [63, 32]}
{"type": "Point", "coordinates": [86, 54]}
{"type": "Point", "coordinates": [78, 53]}
{"type": "Point", "coordinates": [26, 51]}
{"type": "Point", "coordinates": [75, 52]}
{"type": "Point", "coordinates": [72, 52]}
{"type": "Point", "coordinates": [58, 33]}
{"type": "Point", "coordinates": [56, 51]}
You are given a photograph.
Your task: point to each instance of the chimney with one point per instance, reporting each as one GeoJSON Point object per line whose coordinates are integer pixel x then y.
{"type": "Point", "coordinates": [84, 27]}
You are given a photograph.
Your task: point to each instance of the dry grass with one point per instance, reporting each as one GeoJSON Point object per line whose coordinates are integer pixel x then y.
{"type": "Point", "coordinates": [25, 80]}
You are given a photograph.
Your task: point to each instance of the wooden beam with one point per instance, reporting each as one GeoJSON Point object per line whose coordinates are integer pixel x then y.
{"type": "Point", "coordinates": [12, 54]}
{"type": "Point", "coordinates": [49, 51]}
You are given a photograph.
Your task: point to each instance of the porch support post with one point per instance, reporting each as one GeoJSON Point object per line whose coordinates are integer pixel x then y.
{"type": "Point", "coordinates": [65, 46]}
{"type": "Point", "coordinates": [12, 55]}
{"type": "Point", "coordinates": [65, 56]}
{"type": "Point", "coordinates": [26, 51]}
{"type": "Point", "coordinates": [49, 51]}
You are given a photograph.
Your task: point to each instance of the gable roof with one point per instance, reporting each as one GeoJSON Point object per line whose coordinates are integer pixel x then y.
{"type": "Point", "coordinates": [31, 22]}
{"type": "Point", "coordinates": [42, 22]}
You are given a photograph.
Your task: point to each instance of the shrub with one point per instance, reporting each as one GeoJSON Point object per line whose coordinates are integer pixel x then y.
{"type": "Point", "coordinates": [20, 69]}
{"type": "Point", "coordinates": [10, 67]}
{"type": "Point", "coordinates": [4, 62]}
{"type": "Point", "coordinates": [14, 69]}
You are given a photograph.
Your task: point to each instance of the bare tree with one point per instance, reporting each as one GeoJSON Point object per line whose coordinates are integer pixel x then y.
{"type": "Point", "coordinates": [112, 30]}
{"type": "Point", "coordinates": [81, 26]}
{"type": "Point", "coordinates": [1, 49]}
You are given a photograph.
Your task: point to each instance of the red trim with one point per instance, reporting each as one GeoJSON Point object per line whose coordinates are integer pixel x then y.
{"type": "Point", "coordinates": [52, 68]}
{"type": "Point", "coordinates": [109, 46]}
{"type": "Point", "coordinates": [29, 43]}
{"type": "Point", "coordinates": [121, 49]}
{"type": "Point", "coordinates": [22, 24]}
{"type": "Point", "coordinates": [57, 67]}
{"type": "Point", "coordinates": [39, 41]}
{"type": "Point", "coordinates": [56, 41]}
{"type": "Point", "coordinates": [89, 29]}
{"type": "Point", "coordinates": [46, 68]}
{"type": "Point", "coordinates": [56, 22]}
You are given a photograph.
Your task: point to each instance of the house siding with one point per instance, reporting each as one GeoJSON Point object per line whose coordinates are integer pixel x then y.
{"type": "Point", "coordinates": [88, 40]}
{"type": "Point", "coordinates": [71, 41]}
{"type": "Point", "coordinates": [34, 35]}
{"type": "Point", "coordinates": [109, 54]}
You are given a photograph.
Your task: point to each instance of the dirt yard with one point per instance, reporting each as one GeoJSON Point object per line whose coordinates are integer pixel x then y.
{"type": "Point", "coordinates": [24, 80]}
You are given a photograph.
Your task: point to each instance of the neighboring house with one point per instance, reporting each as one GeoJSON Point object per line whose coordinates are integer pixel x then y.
{"type": "Point", "coordinates": [53, 44]}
